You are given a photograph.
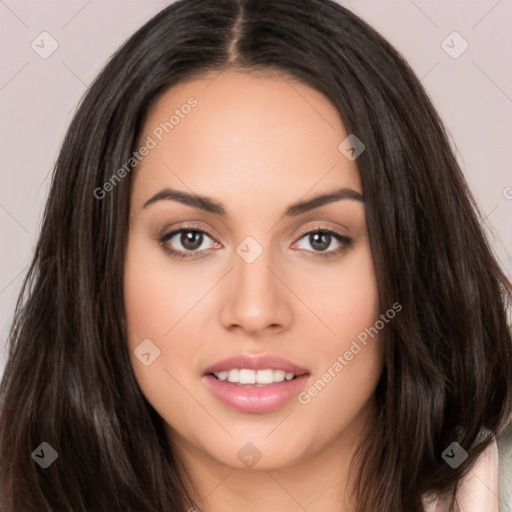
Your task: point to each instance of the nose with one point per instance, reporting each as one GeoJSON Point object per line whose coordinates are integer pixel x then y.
{"type": "Point", "coordinates": [255, 299]}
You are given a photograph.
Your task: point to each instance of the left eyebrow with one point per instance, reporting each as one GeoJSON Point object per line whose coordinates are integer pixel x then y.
{"type": "Point", "coordinates": [304, 206]}
{"type": "Point", "coordinates": [209, 205]}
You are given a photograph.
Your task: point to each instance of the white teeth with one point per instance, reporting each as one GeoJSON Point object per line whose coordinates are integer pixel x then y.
{"type": "Point", "coordinates": [245, 376]}
{"type": "Point", "coordinates": [279, 375]}
{"type": "Point", "coordinates": [233, 375]}
{"type": "Point", "coordinates": [264, 376]}
{"type": "Point", "coordinates": [222, 375]}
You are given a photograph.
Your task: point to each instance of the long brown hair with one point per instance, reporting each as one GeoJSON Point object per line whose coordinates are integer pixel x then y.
{"type": "Point", "coordinates": [448, 355]}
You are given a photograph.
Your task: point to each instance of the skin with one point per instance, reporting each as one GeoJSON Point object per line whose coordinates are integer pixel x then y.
{"type": "Point", "coordinates": [255, 143]}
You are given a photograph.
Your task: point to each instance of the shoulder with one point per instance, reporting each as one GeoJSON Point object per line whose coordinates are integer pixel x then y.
{"type": "Point", "coordinates": [505, 468]}
{"type": "Point", "coordinates": [488, 486]}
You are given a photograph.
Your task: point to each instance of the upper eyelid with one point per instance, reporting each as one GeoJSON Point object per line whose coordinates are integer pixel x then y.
{"type": "Point", "coordinates": [321, 228]}
{"type": "Point", "coordinates": [172, 232]}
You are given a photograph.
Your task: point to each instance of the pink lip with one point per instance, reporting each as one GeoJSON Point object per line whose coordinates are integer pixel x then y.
{"type": "Point", "coordinates": [255, 398]}
{"type": "Point", "coordinates": [249, 362]}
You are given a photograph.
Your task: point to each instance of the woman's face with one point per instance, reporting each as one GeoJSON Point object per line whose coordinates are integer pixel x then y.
{"type": "Point", "coordinates": [243, 280]}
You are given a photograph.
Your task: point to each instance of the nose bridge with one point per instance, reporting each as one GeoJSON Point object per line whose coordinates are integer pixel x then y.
{"type": "Point", "coordinates": [253, 280]}
{"type": "Point", "coordinates": [256, 299]}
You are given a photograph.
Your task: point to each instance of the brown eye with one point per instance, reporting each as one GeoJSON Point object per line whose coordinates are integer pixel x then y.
{"type": "Point", "coordinates": [191, 240]}
{"type": "Point", "coordinates": [319, 241]}
{"type": "Point", "coordinates": [186, 242]}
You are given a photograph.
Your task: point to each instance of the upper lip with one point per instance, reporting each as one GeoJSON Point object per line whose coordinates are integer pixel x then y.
{"type": "Point", "coordinates": [254, 362]}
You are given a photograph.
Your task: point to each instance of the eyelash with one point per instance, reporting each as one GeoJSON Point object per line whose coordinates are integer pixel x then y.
{"type": "Point", "coordinates": [345, 242]}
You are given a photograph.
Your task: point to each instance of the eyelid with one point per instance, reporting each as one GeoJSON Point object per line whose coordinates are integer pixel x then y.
{"type": "Point", "coordinates": [179, 254]}
{"type": "Point", "coordinates": [185, 227]}
{"type": "Point", "coordinates": [191, 226]}
{"type": "Point", "coordinates": [345, 241]}
{"type": "Point", "coordinates": [321, 227]}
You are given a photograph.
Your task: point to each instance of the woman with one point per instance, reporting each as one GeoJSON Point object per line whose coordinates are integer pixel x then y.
{"type": "Point", "coordinates": [260, 283]}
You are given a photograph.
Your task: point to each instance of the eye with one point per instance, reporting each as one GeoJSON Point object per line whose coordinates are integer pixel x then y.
{"type": "Point", "coordinates": [319, 240]}
{"type": "Point", "coordinates": [192, 241]}
{"type": "Point", "coordinates": [187, 242]}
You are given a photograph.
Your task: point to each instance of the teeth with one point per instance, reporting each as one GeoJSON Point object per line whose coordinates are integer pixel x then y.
{"type": "Point", "coordinates": [233, 375]}
{"type": "Point", "coordinates": [222, 375]}
{"type": "Point", "coordinates": [245, 376]}
{"type": "Point", "coordinates": [265, 376]}
{"type": "Point", "coordinates": [279, 375]}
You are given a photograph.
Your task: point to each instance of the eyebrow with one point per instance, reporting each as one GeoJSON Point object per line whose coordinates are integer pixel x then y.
{"type": "Point", "coordinates": [210, 205]}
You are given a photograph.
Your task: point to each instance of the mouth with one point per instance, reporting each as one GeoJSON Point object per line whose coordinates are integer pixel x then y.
{"type": "Point", "coordinates": [255, 384]}
{"type": "Point", "coordinates": [253, 378]}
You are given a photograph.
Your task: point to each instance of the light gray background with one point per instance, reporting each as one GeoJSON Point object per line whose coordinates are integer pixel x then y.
{"type": "Point", "coordinates": [38, 97]}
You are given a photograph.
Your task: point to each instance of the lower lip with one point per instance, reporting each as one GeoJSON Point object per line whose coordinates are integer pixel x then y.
{"type": "Point", "coordinates": [253, 399]}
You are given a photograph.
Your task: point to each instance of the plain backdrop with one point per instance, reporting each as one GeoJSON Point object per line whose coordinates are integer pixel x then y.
{"type": "Point", "coordinates": [471, 88]}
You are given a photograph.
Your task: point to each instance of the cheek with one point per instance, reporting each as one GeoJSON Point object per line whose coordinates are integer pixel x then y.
{"type": "Point", "coordinates": [350, 357]}
{"type": "Point", "coordinates": [156, 304]}
{"type": "Point", "coordinates": [157, 295]}
{"type": "Point", "coordinates": [344, 298]}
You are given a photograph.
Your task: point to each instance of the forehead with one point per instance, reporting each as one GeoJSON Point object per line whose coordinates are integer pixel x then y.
{"type": "Point", "coordinates": [233, 135]}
